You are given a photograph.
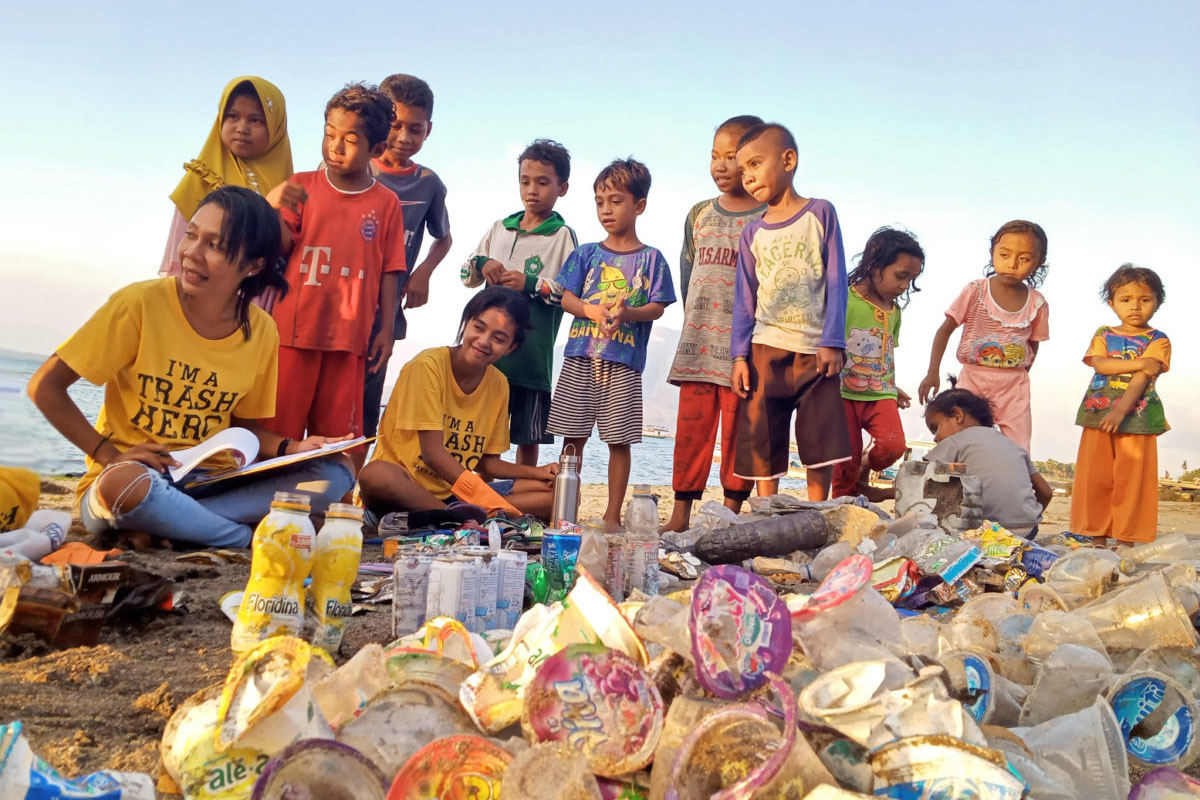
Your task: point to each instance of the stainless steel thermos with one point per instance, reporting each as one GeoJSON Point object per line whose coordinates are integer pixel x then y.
{"type": "Point", "coordinates": [566, 490]}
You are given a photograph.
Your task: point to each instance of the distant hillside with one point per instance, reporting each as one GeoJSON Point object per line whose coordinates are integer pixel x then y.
{"type": "Point", "coordinates": [660, 400]}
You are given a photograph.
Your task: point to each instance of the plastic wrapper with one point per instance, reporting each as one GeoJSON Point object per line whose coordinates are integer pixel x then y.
{"type": "Point", "coordinates": [997, 546]}
{"type": "Point", "coordinates": [24, 775]}
{"type": "Point", "coordinates": [895, 578]}
{"type": "Point", "coordinates": [960, 591]}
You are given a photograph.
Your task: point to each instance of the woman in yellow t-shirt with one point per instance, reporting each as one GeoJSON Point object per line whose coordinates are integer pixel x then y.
{"type": "Point", "coordinates": [446, 426]}
{"type": "Point", "coordinates": [182, 358]}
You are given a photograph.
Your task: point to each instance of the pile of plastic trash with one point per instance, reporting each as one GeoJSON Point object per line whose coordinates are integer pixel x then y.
{"type": "Point", "coordinates": [801, 650]}
{"type": "Point", "coordinates": [841, 654]}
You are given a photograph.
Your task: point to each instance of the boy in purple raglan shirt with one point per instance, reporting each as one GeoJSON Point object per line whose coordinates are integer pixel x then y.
{"type": "Point", "coordinates": [789, 318]}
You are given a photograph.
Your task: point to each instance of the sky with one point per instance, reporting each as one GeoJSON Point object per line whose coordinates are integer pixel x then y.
{"type": "Point", "coordinates": [946, 118]}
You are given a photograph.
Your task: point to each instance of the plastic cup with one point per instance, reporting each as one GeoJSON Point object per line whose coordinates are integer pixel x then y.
{"type": "Point", "coordinates": [936, 766]}
{"type": "Point", "coordinates": [1165, 783]}
{"type": "Point", "coordinates": [551, 771]}
{"type": "Point", "coordinates": [1083, 575]}
{"type": "Point", "coordinates": [454, 767]}
{"type": "Point", "coordinates": [1158, 719]}
{"type": "Point", "coordinates": [320, 769]}
{"type": "Point", "coordinates": [1144, 614]}
{"type": "Point", "coordinates": [989, 698]}
{"type": "Point", "coordinates": [874, 702]}
{"type": "Point", "coordinates": [493, 693]}
{"type": "Point", "coordinates": [1083, 751]}
{"type": "Point", "coordinates": [400, 722]}
{"type": "Point", "coordinates": [741, 630]}
{"type": "Point", "coordinates": [1069, 680]}
{"type": "Point", "coordinates": [599, 702]}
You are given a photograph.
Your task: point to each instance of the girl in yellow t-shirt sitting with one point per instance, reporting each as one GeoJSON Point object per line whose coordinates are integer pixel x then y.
{"type": "Point", "coordinates": [446, 426]}
{"type": "Point", "coordinates": [182, 358]}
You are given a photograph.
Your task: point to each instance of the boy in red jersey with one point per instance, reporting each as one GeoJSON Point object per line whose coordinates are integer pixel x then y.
{"type": "Point", "coordinates": [345, 235]}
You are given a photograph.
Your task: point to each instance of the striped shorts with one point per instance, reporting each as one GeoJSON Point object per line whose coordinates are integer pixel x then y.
{"type": "Point", "coordinates": [591, 391]}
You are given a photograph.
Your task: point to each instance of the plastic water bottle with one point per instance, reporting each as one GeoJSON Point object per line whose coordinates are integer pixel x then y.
{"type": "Point", "coordinates": [281, 552]}
{"type": "Point", "coordinates": [335, 558]}
{"type": "Point", "coordinates": [1168, 548]}
{"type": "Point", "coordinates": [641, 526]}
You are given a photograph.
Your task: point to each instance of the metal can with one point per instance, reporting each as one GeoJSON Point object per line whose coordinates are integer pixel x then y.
{"type": "Point", "coordinates": [560, 551]}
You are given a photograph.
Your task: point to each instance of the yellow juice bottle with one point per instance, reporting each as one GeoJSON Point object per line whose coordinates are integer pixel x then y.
{"type": "Point", "coordinates": [334, 570]}
{"type": "Point", "coordinates": [273, 603]}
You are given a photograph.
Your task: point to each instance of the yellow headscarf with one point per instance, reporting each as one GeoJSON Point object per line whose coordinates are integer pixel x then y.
{"type": "Point", "coordinates": [216, 167]}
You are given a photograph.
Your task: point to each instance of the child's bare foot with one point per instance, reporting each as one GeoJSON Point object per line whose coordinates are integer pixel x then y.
{"type": "Point", "coordinates": [864, 472]}
{"type": "Point", "coordinates": [875, 494]}
{"type": "Point", "coordinates": [612, 525]}
{"type": "Point", "coordinates": [680, 514]}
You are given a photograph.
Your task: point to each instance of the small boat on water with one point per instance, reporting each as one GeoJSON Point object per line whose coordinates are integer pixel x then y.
{"type": "Point", "coordinates": [655, 432]}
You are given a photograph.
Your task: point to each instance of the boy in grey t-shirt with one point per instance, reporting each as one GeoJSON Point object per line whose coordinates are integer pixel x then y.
{"type": "Point", "coordinates": [1014, 492]}
{"type": "Point", "coordinates": [423, 197]}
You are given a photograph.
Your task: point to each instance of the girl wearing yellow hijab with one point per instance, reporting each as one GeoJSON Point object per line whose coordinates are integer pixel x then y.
{"type": "Point", "coordinates": [247, 146]}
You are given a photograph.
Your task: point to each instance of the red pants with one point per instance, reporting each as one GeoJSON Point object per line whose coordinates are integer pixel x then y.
{"type": "Point", "coordinates": [701, 406]}
{"type": "Point", "coordinates": [320, 393]}
{"type": "Point", "coordinates": [879, 418]}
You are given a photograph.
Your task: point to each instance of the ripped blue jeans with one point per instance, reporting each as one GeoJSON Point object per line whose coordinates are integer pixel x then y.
{"type": "Point", "coordinates": [221, 515]}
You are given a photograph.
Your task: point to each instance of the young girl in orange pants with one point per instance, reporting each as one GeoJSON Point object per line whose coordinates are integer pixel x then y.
{"type": "Point", "coordinates": [1116, 472]}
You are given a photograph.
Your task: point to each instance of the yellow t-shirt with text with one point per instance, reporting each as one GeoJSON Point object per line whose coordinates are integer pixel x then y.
{"type": "Point", "coordinates": [20, 490]}
{"type": "Point", "coordinates": [428, 398]}
{"type": "Point", "coordinates": [163, 382]}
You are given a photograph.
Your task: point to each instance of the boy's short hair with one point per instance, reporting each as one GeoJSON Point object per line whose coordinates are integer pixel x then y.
{"type": "Point", "coordinates": [549, 152]}
{"type": "Point", "coordinates": [789, 141]}
{"type": "Point", "coordinates": [372, 106]}
{"type": "Point", "coordinates": [626, 174]}
{"type": "Point", "coordinates": [410, 91]}
{"type": "Point", "coordinates": [740, 123]}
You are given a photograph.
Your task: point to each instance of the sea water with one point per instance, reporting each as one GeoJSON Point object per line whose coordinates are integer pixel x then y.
{"type": "Point", "coordinates": [28, 440]}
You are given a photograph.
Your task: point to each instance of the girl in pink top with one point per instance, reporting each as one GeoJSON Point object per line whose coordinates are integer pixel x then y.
{"type": "Point", "coordinates": [1004, 318]}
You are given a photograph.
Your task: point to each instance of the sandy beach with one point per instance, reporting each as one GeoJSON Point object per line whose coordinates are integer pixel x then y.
{"type": "Point", "coordinates": [105, 707]}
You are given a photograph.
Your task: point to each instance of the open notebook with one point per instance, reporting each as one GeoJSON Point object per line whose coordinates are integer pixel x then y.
{"type": "Point", "coordinates": [242, 445]}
